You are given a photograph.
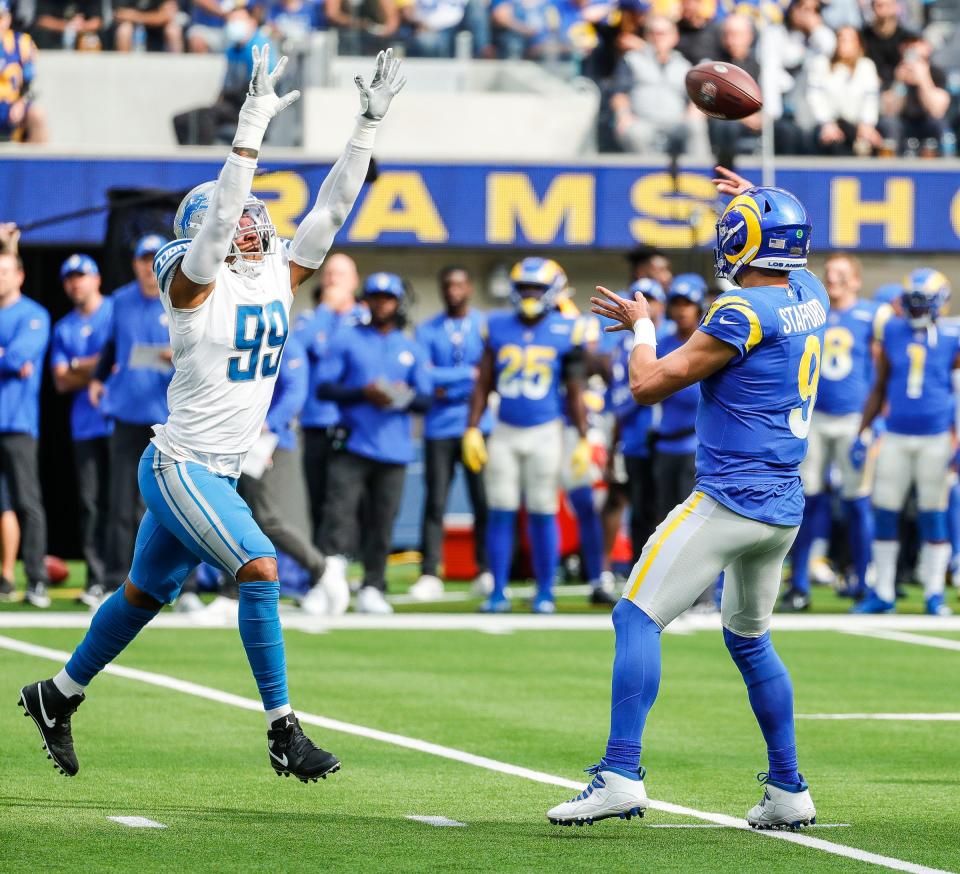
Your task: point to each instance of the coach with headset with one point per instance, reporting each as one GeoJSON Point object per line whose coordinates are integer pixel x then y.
{"type": "Point", "coordinates": [378, 376]}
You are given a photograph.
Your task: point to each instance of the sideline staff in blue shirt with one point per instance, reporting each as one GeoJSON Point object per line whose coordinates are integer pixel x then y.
{"type": "Point", "coordinates": [77, 340]}
{"type": "Point", "coordinates": [453, 341]}
{"type": "Point", "coordinates": [24, 334]}
{"type": "Point", "coordinates": [130, 387]}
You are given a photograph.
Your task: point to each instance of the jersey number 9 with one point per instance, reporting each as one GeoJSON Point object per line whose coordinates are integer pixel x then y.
{"type": "Point", "coordinates": [257, 326]}
{"type": "Point", "coordinates": [808, 378]}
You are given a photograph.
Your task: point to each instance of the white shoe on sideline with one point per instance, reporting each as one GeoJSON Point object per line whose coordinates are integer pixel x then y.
{"type": "Point", "coordinates": [610, 793]}
{"type": "Point", "coordinates": [222, 607]}
{"type": "Point", "coordinates": [482, 585]}
{"type": "Point", "coordinates": [370, 600]}
{"type": "Point", "coordinates": [315, 602]}
{"type": "Point", "coordinates": [93, 596]}
{"type": "Point", "coordinates": [782, 809]}
{"type": "Point", "coordinates": [335, 586]}
{"type": "Point", "coordinates": [188, 602]}
{"type": "Point", "coordinates": [36, 595]}
{"type": "Point", "coordinates": [427, 588]}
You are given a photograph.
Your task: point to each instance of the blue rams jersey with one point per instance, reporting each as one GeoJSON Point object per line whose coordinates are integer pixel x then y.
{"type": "Point", "coordinates": [454, 348]}
{"type": "Point", "coordinates": [919, 388]}
{"type": "Point", "coordinates": [678, 413]}
{"type": "Point", "coordinates": [361, 355]}
{"type": "Point", "coordinates": [289, 393]}
{"type": "Point", "coordinates": [24, 334]}
{"type": "Point", "coordinates": [17, 62]}
{"type": "Point", "coordinates": [79, 336]}
{"type": "Point", "coordinates": [846, 372]}
{"type": "Point", "coordinates": [755, 412]}
{"type": "Point", "coordinates": [528, 364]}
{"type": "Point", "coordinates": [137, 395]}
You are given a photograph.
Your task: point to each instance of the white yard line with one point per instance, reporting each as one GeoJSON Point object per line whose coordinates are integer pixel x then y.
{"type": "Point", "coordinates": [906, 637]}
{"type": "Point", "coordinates": [439, 821]}
{"type": "Point", "coordinates": [892, 717]}
{"type": "Point", "coordinates": [136, 821]}
{"type": "Point", "coordinates": [412, 743]}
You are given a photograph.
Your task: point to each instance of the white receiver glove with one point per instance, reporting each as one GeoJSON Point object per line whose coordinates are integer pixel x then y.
{"type": "Point", "coordinates": [387, 83]}
{"type": "Point", "coordinates": [263, 102]}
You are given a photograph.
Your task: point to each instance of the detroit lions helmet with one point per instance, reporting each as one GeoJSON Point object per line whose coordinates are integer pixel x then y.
{"type": "Point", "coordinates": [542, 279]}
{"type": "Point", "coordinates": [255, 230]}
{"type": "Point", "coordinates": [925, 293]}
{"type": "Point", "coordinates": [763, 227]}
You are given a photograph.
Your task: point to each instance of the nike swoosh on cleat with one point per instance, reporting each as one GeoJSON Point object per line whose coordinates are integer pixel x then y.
{"type": "Point", "coordinates": [50, 723]}
{"type": "Point", "coordinates": [281, 759]}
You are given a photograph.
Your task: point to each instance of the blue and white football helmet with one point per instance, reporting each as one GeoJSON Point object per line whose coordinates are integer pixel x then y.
{"type": "Point", "coordinates": [925, 294]}
{"type": "Point", "coordinates": [688, 286]}
{"type": "Point", "coordinates": [763, 227]}
{"type": "Point", "coordinates": [533, 274]}
{"type": "Point", "coordinates": [383, 283]}
{"type": "Point", "coordinates": [254, 223]}
{"type": "Point", "coordinates": [649, 288]}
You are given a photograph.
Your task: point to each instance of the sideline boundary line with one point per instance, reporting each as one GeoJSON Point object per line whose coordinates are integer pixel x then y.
{"type": "Point", "coordinates": [886, 717]}
{"type": "Point", "coordinates": [210, 694]}
{"type": "Point", "coordinates": [905, 637]}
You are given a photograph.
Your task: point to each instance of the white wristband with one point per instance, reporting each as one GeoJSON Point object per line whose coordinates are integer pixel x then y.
{"type": "Point", "coordinates": [365, 131]}
{"type": "Point", "coordinates": [644, 333]}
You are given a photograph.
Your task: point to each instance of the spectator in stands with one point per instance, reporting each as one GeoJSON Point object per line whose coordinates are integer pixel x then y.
{"type": "Point", "coordinates": [699, 36]}
{"type": "Point", "coordinates": [294, 20]}
{"type": "Point", "coordinates": [21, 119]}
{"type": "Point", "coordinates": [914, 108]}
{"type": "Point", "coordinates": [24, 334]}
{"type": "Point", "coordinates": [883, 38]}
{"type": "Point", "coordinates": [453, 341]}
{"type": "Point", "coordinates": [844, 98]}
{"type": "Point", "coordinates": [129, 386]}
{"type": "Point", "coordinates": [364, 27]}
{"type": "Point", "coordinates": [651, 110]}
{"type": "Point", "coordinates": [147, 25]}
{"type": "Point", "coordinates": [72, 25]}
{"type": "Point", "coordinates": [517, 24]}
{"type": "Point", "coordinates": [378, 377]}
{"type": "Point", "coordinates": [738, 46]}
{"type": "Point", "coordinates": [337, 309]}
{"type": "Point", "coordinates": [77, 340]}
{"type": "Point", "coordinates": [429, 26]}
{"type": "Point", "coordinates": [207, 28]}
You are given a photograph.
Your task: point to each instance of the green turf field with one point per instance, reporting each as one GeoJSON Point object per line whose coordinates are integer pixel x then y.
{"type": "Point", "coordinates": [535, 699]}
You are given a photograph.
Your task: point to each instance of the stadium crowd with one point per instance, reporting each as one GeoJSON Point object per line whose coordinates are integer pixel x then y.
{"type": "Point", "coordinates": [352, 379]}
{"type": "Point", "coordinates": [843, 77]}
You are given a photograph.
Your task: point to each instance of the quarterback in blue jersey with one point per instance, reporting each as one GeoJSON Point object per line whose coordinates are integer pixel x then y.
{"type": "Point", "coordinates": [846, 377]}
{"type": "Point", "coordinates": [757, 358]}
{"type": "Point", "coordinates": [533, 359]}
{"type": "Point", "coordinates": [916, 367]}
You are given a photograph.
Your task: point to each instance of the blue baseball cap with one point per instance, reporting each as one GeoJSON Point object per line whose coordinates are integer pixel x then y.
{"type": "Point", "coordinates": [78, 263]}
{"type": "Point", "coordinates": [689, 286]}
{"type": "Point", "coordinates": [149, 244]}
{"type": "Point", "coordinates": [384, 283]}
{"type": "Point", "coordinates": [649, 288]}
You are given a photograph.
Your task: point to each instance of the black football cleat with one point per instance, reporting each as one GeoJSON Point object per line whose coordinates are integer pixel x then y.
{"type": "Point", "coordinates": [292, 752]}
{"type": "Point", "coordinates": [600, 596]}
{"type": "Point", "coordinates": [51, 710]}
{"type": "Point", "coordinates": [794, 601]}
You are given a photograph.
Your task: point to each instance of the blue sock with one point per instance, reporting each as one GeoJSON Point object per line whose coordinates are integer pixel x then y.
{"type": "Point", "coordinates": [953, 518]}
{"type": "Point", "coordinates": [114, 625]}
{"type": "Point", "coordinates": [800, 552]}
{"type": "Point", "coordinates": [259, 620]}
{"type": "Point", "coordinates": [544, 551]}
{"type": "Point", "coordinates": [771, 697]}
{"type": "Point", "coordinates": [636, 681]}
{"type": "Point", "coordinates": [591, 532]}
{"type": "Point", "coordinates": [860, 532]}
{"type": "Point", "coordinates": [500, 528]}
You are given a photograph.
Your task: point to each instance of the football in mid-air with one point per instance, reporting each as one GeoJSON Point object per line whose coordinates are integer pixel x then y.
{"type": "Point", "coordinates": [723, 90]}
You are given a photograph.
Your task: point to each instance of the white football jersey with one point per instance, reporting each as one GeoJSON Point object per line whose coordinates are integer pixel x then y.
{"type": "Point", "coordinates": [226, 354]}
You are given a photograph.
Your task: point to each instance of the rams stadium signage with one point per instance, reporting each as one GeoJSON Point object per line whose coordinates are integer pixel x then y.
{"type": "Point", "coordinates": [615, 206]}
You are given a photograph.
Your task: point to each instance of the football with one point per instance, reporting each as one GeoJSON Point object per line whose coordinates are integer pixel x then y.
{"type": "Point", "coordinates": [723, 90]}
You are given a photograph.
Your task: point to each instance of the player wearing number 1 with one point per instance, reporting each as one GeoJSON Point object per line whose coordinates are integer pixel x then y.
{"type": "Point", "coordinates": [227, 286]}
{"type": "Point", "coordinates": [757, 357]}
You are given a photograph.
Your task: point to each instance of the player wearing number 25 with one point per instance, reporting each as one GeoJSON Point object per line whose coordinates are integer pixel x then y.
{"type": "Point", "coordinates": [226, 284]}
{"type": "Point", "coordinates": [757, 357]}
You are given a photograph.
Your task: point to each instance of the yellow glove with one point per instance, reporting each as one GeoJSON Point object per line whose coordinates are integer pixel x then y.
{"type": "Point", "coordinates": [474, 450]}
{"type": "Point", "coordinates": [582, 457]}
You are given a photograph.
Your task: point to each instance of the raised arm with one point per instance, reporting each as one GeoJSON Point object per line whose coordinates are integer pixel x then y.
{"type": "Point", "coordinates": [195, 275]}
{"type": "Point", "coordinates": [342, 185]}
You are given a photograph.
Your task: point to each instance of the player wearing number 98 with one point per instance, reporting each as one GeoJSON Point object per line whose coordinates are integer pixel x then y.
{"type": "Point", "coordinates": [227, 286]}
{"type": "Point", "coordinates": [916, 365]}
{"type": "Point", "coordinates": [530, 356]}
{"type": "Point", "coordinates": [757, 356]}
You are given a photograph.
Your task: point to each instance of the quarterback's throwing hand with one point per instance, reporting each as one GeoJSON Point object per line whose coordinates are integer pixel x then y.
{"type": "Point", "coordinates": [387, 84]}
{"type": "Point", "coordinates": [621, 310]}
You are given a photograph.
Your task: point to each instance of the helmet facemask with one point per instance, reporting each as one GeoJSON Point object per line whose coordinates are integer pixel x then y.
{"type": "Point", "coordinates": [920, 308]}
{"type": "Point", "coordinates": [256, 237]}
{"type": "Point", "coordinates": [531, 301]}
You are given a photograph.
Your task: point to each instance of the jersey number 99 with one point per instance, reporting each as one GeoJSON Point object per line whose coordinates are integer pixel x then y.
{"type": "Point", "coordinates": [808, 378]}
{"type": "Point", "coordinates": [526, 372]}
{"type": "Point", "coordinates": [257, 326]}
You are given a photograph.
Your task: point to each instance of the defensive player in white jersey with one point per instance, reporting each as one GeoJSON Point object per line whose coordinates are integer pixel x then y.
{"type": "Point", "coordinates": [227, 286]}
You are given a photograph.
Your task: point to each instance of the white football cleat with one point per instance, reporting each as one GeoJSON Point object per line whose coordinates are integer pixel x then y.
{"type": "Point", "coordinates": [222, 608]}
{"type": "Point", "coordinates": [370, 600]}
{"type": "Point", "coordinates": [188, 602]}
{"type": "Point", "coordinates": [427, 588]}
{"type": "Point", "coordinates": [482, 586]}
{"type": "Point", "coordinates": [335, 585]}
{"type": "Point", "coordinates": [783, 807]}
{"type": "Point", "coordinates": [610, 793]}
{"type": "Point", "coordinates": [316, 602]}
